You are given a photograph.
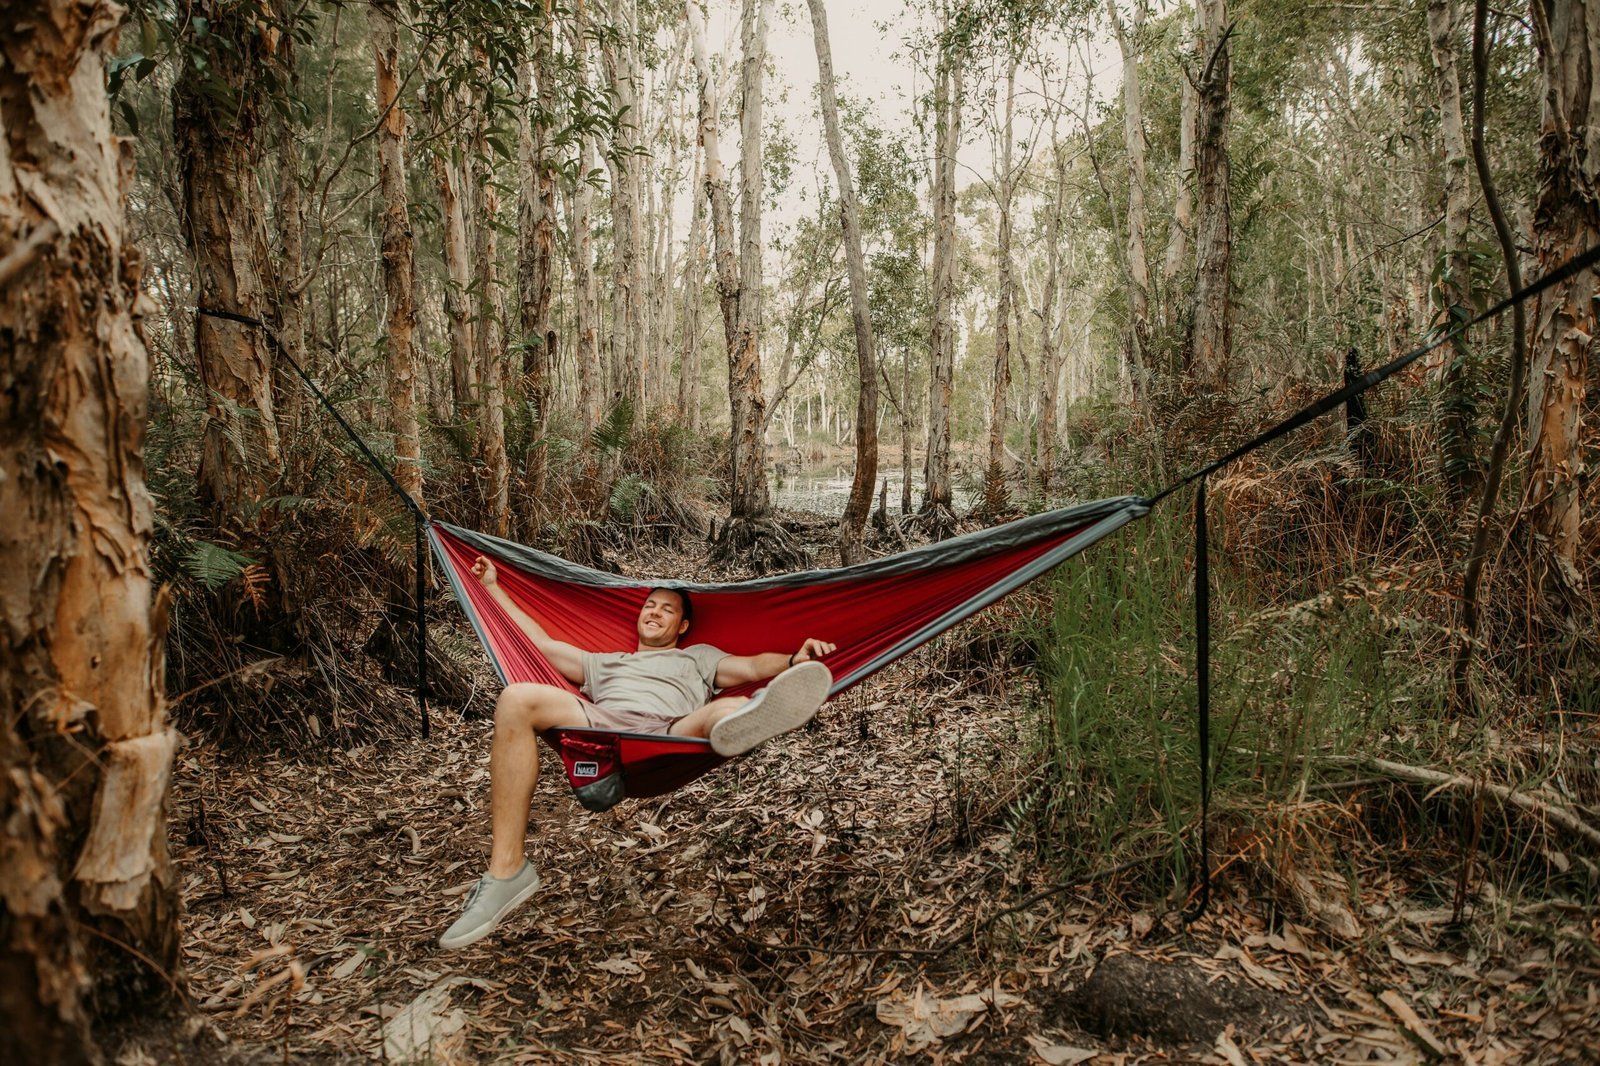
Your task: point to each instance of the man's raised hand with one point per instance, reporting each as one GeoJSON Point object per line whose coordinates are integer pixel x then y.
{"type": "Point", "coordinates": [812, 649]}
{"type": "Point", "coordinates": [484, 571]}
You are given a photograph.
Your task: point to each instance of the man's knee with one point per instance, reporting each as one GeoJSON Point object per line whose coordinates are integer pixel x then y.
{"type": "Point", "coordinates": [527, 705]}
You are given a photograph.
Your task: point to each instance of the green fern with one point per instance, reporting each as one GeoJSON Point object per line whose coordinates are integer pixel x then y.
{"type": "Point", "coordinates": [213, 565]}
{"type": "Point", "coordinates": [612, 434]}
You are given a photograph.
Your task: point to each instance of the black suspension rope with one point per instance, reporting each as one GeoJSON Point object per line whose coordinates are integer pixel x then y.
{"type": "Point", "coordinates": [417, 512]}
{"type": "Point", "coordinates": [1202, 669]}
{"type": "Point", "coordinates": [1353, 388]}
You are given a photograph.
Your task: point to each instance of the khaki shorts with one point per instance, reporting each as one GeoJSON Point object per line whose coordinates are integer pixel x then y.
{"type": "Point", "coordinates": [624, 720]}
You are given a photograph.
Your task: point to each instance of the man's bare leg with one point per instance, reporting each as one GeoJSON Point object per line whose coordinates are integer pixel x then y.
{"type": "Point", "coordinates": [521, 712]}
{"type": "Point", "coordinates": [698, 723]}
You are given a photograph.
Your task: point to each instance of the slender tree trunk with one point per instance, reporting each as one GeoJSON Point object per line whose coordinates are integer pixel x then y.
{"type": "Point", "coordinates": [628, 303]}
{"type": "Point", "coordinates": [445, 155]}
{"type": "Point", "coordinates": [1459, 386]}
{"type": "Point", "coordinates": [1177, 254]}
{"type": "Point", "coordinates": [88, 907]}
{"type": "Point", "coordinates": [580, 245]}
{"type": "Point", "coordinates": [1049, 323]}
{"type": "Point", "coordinates": [694, 272]}
{"type": "Point", "coordinates": [217, 126]}
{"type": "Point", "coordinates": [1133, 142]}
{"type": "Point", "coordinates": [490, 332]}
{"type": "Point", "coordinates": [290, 397]}
{"type": "Point", "coordinates": [1211, 331]}
{"type": "Point", "coordinates": [851, 549]}
{"type": "Point", "coordinates": [748, 498]}
{"type": "Point", "coordinates": [995, 494]}
{"type": "Point", "coordinates": [1561, 419]}
{"type": "Point", "coordinates": [937, 498]}
{"type": "Point", "coordinates": [399, 259]}
{"type": "Point", "coordinates": [536, 245]}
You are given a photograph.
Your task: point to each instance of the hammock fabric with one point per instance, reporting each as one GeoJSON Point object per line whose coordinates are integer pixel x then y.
{"type": "Point", "coordinates": [875, 612]}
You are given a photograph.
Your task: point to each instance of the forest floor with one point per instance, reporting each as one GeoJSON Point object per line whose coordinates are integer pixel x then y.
{"type": "Point", "coordinates": [754, 916]}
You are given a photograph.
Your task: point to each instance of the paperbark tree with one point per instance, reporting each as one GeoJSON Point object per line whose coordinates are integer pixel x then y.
{"type": "Point", "coordinates": [217, 124]}
{"type": "Point", "coordinates": [1566, 222]}
{"type": "Point", "coordinates": [1049, 318]}
{"type": "Point", "coordinates": [490, 331]}
{"type": "Point", "coordinates": [1211, 332]}
{"type": "Point", "coordinates": [1182, 223]}
{"type": "Point", "coordinates": [859, 505]}
{"type": "Point", "coordinates": [937, 503]}
{"type": "Point", "coordinates": [1460, 407]}
{"type": "Point", "coordinates": [88, 908]}
{"type": "Point", "coordinates": [750, 507]}
{"type": "Point", "coordinates": [995, 496]}
{"type": "Point", "coordinates": [446, 152]}
{"type": "Point", "coordinates": [750, 531]}
{"type": "Point", "coordinates": [399, 258]}
{"type": "Point", "coordinates": [617, 52]}
{"type": "Point", "coordinates": [536, 242]}
{"type": "Point", "coordinates": [1133, 143]}
{"type": "Point", "coordinates": [580, 248]}
{"type": "Point", "coordinates": [694, 272]}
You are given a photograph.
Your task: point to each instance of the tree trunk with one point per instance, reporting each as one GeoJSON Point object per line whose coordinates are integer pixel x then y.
{"type": "Point", "coordinates": [1182, 223]}
{"type": "Point", "coordinates": [1133, 142]}
{"type": "Point", "coordinates": [937, 498]}
{"type": "Point", "coordinates": [446, 113]}
{"type": "Point", "coordinates": [580, 252]}
{"type": "Point", "coordinates": [399, 259]}
{"type": "Point", "coordinates": [851, 526]}
{"type": "Point", "coordinates": [1459, 385]}
{"type": "Point", "coordinates": [1210, 339]}
{"type": "Point", "coordinates": [628, 278]}
{"type": "Point", "coordinates": [536, 246]}
{"type": "Point", "coordinates": [694, 272]}
{"type": "Point", "coordinates": [490, 332]}
{"type": "Point", "coordinates": [996, 497]}
{"type": "Point", "coordinates": [1566, 222]}
{"type": "Point", "coordinates": [1049, 322]}
{"type": "Point", "coordinates": [217, 127]}
{"type": "Point", "coordinates": [88, 907]}
{"type": "Point", "coordinates": [290, 395]}
{"type": "Point", "coordinates": [750, 505]}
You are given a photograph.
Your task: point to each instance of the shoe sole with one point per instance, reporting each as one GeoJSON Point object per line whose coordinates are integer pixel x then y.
{"type": "Point", "coordinates": [788, 703]}
{"type": "Point", "coordinates": [493, 923]}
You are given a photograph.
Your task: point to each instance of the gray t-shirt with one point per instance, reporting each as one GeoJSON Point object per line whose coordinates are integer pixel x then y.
{"type": "Point", "coordinates": [670, 682]}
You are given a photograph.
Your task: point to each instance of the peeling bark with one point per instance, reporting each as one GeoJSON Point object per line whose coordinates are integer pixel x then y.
{"type": "Point", "coordinates": [85, 752]}
{"type": "Point", "coordinates": [399, 258]}
{"type": "Point", "coordinates": [1566, 222]}
{"type": "Point", "coordinates": [937, 499]}
{"type": "Point", "coordinates": [218, 128]}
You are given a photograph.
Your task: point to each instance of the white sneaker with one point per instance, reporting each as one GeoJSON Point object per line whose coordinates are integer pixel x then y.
{"type": "Point", "coordinates": [490, 900]}
{"type": "Point", "coordinates": [788, 702]}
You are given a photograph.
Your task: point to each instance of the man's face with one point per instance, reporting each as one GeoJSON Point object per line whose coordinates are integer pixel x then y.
{"type": "Point", "coordinates": [661, 620]}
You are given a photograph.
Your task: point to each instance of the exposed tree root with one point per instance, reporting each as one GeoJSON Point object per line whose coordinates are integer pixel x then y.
{"type": "Point", "coordinates": [760, 544]}
{"type": "Point", "coordinates": [1551, 812]}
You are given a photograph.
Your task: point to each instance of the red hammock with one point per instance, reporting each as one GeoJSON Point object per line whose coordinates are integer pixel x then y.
{"type": "Point", "coordinates": [874, 612]}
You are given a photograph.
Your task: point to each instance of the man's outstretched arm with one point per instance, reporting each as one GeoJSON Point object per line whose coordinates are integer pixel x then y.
{"type": "Point", "coordinates": [740, 669]}
{"type": "Point", "coordinates": [566, 658]}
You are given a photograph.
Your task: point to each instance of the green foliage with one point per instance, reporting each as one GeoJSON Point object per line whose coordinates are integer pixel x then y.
{"type": "Point", "coordinates": [213, 566]}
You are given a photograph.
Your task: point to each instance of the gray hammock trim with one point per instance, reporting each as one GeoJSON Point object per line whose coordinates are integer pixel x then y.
{"type": "Point", "coordinates": [960, 549]}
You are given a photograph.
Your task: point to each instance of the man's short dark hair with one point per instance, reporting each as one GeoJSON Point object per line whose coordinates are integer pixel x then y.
{"type": "Point", "coordinates": [682, 594]}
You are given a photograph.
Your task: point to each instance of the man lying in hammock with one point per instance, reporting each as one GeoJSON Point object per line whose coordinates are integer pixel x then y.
{"type": "Point", "coordinates": [658, 688]}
